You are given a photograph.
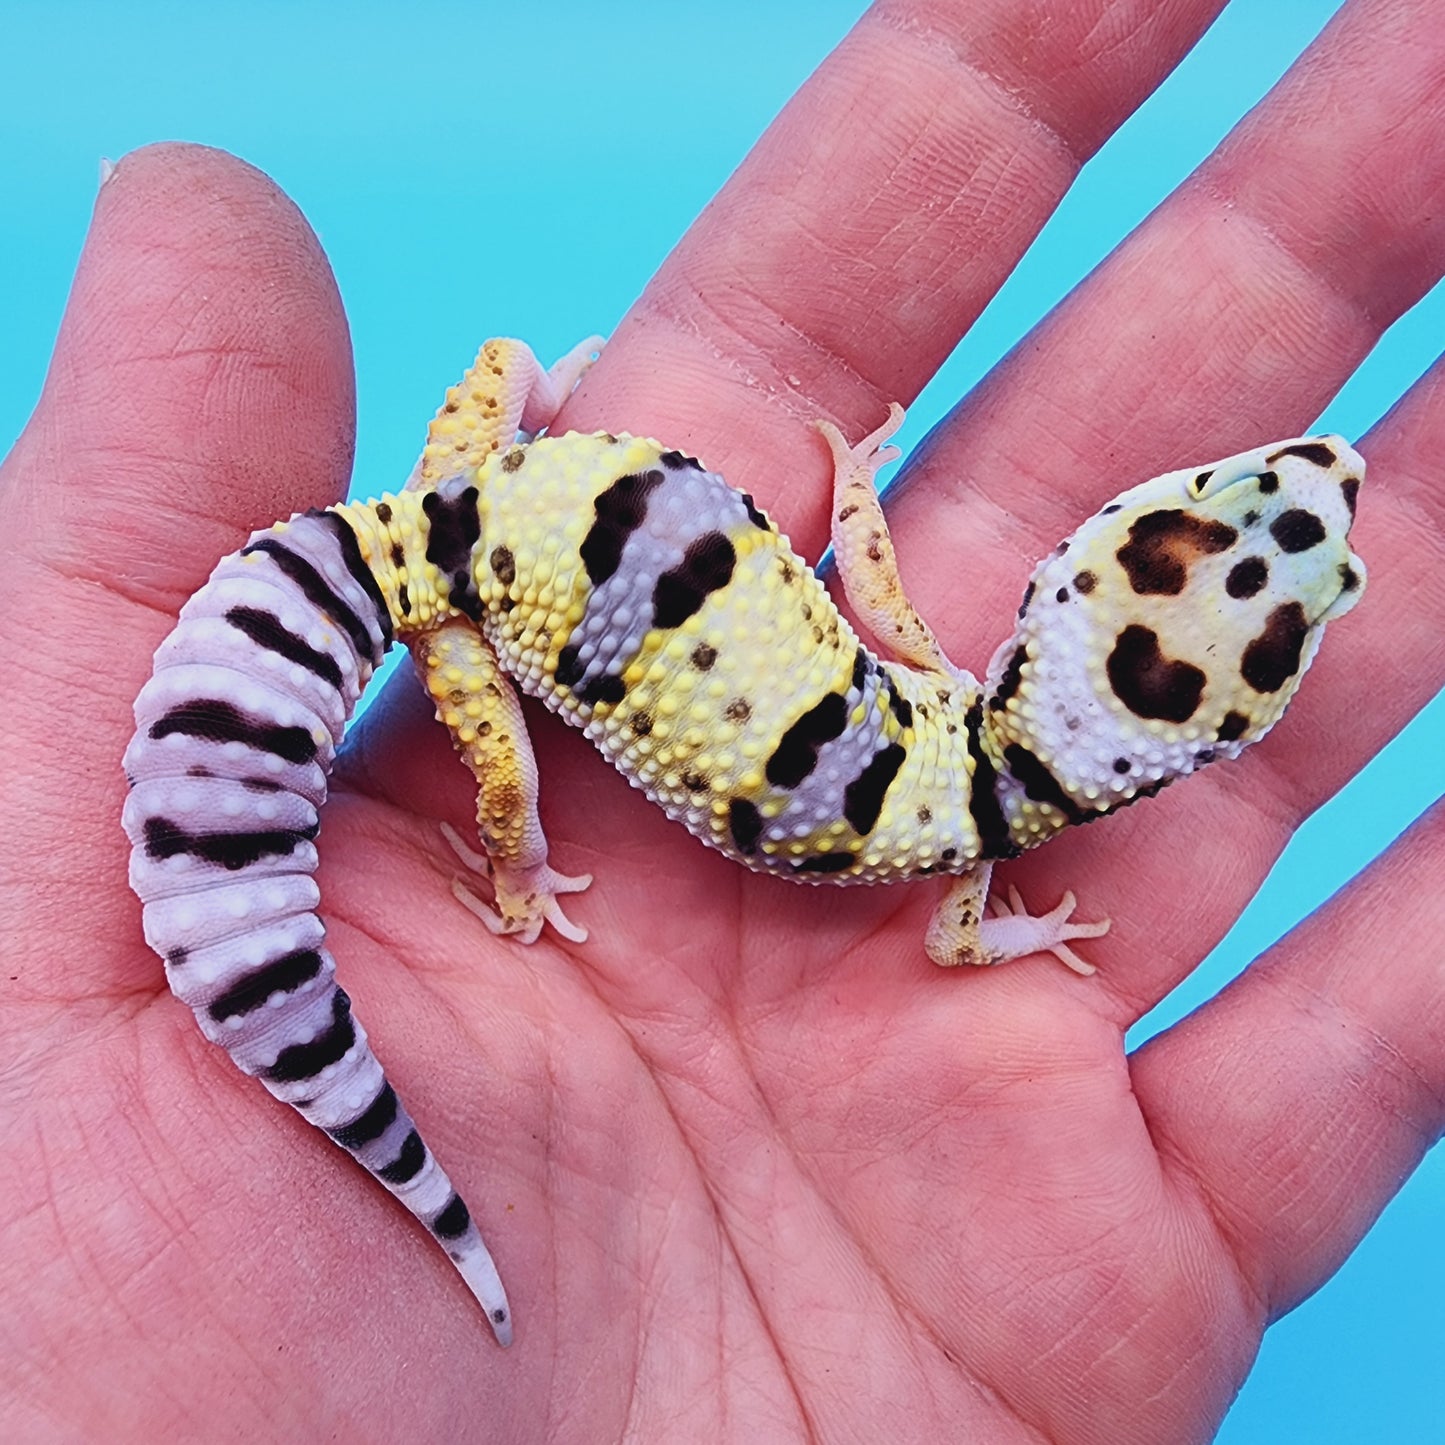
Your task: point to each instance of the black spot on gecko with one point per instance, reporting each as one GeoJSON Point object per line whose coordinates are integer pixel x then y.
{"type": "Point", "coordinates": [847, 511]}
{"type": "Point", "coordinates": [899, 705]}
{"type": "Point", "coordinates": [1349, 578]}
{"type": "Point", "coordinates": [283, 975]}
{"type": "Point", "coordinates": [383, 513]}
{"type": "Point", "coordinates": [1028, 597]}
{"type": "Point", "coordinates": [1062, 595]}
{"type": "Point", "coordinates": [1268, 482]}
{"type": "Point", "coordinates": [618, 512]}
{"type": "Point", "coordinates": [1350, 488]}
{"type": "Point", "coordinates": [606, 687]}
{"type": "Point", "coordinates": [455, 529]}
{"type": "Point", "coordinates": [796, 754]}
{"type": "Point", "coordinates": [355, 564]}
{"type": "Point", "coordinates": [825, 863]}
{"type": "Point", "coordinates": [755, 516]}
{"type": "Point", "coordinates": [371, 1123]}
{"type": "Point", "coordinates": [678, 459]}
{"type": "Point", "coordinates": [1008, 684]}
{"type": "Point", "coordinates": [463, 594]}
{"type": "Point", "coordinates": [221, 722]}
{"type": "Point", "coordinates": [745, 824]}
{"type": "Point", "coordinates": [398, 555]}
{"type": "Point", "coordinates": [694, 782]}
{"type": "Point", "coordinates": [1039, 783]}
{"type": "Point", "coordinates": [513, 459]}
{"type": "Point", "coordinates": [739, 710]}
{"type": "Point", "coordinates": [1273, 657]}
{"type": "Point", "coordinates": [453, 1221]}
{"type": "Point", "coordinates": [706, 566]}
{"type": "Point", "coordinates": [232, 851]}
{"type": "Point", "coordinates": [925, 815]}
{"type": "Point", "coordinates": [863, 798]}
{"type": "Point", "coordinates": [983, 804]}
{"type": "Point", "coordinates": [503, 565]}
{"type": "Point", "coordinates": [266, 631]}
{"type": "Point", "coordinates": [305, 1061]}
{"type": "Point", "coordinates": [318, 592]}
{"type": "Point", "coordinates": [1122, 765]}
{"type": "Point", "coordinates": [1247, 578]}
{"type": "Point", "coordinates": [1202, 480]}
{"type": "Point", "coordinates": [176, 957]}
{"type": "Point", "coordinates": [1316, 452]}
{"type": "Point", "coordinates": [569, 665]}
{"type": "Point", "coordinates": [703, 657]}
{"type": "Point", "coordinates": [640, 723]}
{"type": "Point", "coordinates": [1161, 546]}
{"type": "Point", "coordinates": [860, 670]}
{"type": "Point", "coordinates": [1232, 727]}
{"type": "Point", "coordinates": [1150, 684]}
{"type": "Point", "coordinates": [1111, 509]}
{"type": "Point", "coordinates": [1297, 530]}
{"type": "Point", "coordinates": [1085, 582]}
{"type": "Point", "coordinates": [408, 1162]}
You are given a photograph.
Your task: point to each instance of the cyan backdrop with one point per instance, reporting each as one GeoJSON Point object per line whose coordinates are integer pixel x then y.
{"type": "Point", "coordinates": [364, 113]}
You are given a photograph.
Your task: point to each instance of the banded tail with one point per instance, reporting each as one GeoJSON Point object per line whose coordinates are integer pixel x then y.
{"type": "Point", "coordinates": [236, 733]}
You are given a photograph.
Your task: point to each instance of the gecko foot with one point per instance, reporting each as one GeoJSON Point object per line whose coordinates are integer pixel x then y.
{"type": "Point", "coordinates": [524, 898]}
{"type": "Point", "coordinates": [1013, 931]}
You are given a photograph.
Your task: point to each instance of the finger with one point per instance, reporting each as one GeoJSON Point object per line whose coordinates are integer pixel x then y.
{"type": "Point", "coordinates": [201, 381]}
{"type": "Point", "coordinates": [200, 387]}
{"type": "Point", "coordinates": [869, 227]}
{"type": "Point", "coordinates": [1297, 1102]}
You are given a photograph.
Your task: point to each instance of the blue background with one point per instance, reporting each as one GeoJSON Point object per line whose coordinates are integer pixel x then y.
{"type": "Point", "coordinates": [351, 109]}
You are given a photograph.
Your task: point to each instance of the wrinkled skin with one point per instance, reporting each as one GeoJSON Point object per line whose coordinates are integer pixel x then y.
{"type": "Point", "coordinates": [752, 1168]}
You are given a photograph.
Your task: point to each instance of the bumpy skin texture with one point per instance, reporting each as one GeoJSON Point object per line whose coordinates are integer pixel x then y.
{"type": "Point", "coordinates": [655, 607]}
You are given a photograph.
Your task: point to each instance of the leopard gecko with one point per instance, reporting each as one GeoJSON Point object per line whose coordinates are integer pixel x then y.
{"type": "Point", "coordinates": [660, 610]}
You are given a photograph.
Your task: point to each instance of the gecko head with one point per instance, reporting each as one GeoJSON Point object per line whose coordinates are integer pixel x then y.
{"type": "Point", "coordinates": [1291, 504]}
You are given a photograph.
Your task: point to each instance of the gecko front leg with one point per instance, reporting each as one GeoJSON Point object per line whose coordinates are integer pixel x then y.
{"type": "Point", "coordinates": [961, 932]}
{"type": "Point", "coordinates": [484, 716]}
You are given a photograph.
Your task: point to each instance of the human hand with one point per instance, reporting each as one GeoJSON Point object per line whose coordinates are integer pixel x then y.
{"type": "Point", "coordinates": [749, 1164]}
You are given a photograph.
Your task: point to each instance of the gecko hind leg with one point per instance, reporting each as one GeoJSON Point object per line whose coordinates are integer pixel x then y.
{"type": "Point", "coordinates": [867, 564]}
{"type": "Point", "coordinates": [484, 716]}
{"type": "Point", "coordinates": [961, 932]}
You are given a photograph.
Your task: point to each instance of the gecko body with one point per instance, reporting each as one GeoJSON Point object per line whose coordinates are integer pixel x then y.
{"type": "Point", "coordinates": [657, 608]}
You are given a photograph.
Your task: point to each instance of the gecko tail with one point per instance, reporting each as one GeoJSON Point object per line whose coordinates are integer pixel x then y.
{"type": "Point", "coordinates": [236, 732]}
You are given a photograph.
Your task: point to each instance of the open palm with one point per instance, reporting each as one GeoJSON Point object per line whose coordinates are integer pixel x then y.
{"type": "Point", "coordinates": [750, 1166]}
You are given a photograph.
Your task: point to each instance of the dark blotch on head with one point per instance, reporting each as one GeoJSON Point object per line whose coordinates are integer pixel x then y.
{"type": "Point", "coordinates": [1268, 482]}
{"type": "Point", "coordinates": [1161, 546]}
{"type": "Point", "coordinates": [1297, 530]}
{"type": "Point", "coordinates": [1150, 684]}
{"type": "Point", "coordinates": [1350, 487]}
{"type": "Point", "coordinates": [1232, 728]}
{"type": "Point", "coordinates": [703, 656]}
{"type": "Point", "coordinates": [1316, 452]}
{"type": "Point", "coordinates": [1349, 578]}
{"type": "Point", "coordinates": [1246, 578]}
{"type": "Point", "coordinates": [1273, 657]}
